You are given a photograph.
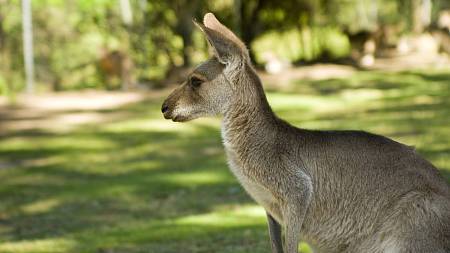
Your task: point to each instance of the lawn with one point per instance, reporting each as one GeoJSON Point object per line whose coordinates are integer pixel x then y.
{"type": "Point", "coordinates": [138, 183]}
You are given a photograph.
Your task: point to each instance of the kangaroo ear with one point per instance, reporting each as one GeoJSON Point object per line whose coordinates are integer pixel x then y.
{"type": "Point", "coordinates": [226, 45]}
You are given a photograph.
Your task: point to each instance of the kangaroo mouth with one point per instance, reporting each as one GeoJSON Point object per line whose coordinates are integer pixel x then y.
{"type": "Point", "coordinates": [179, 119]}
{"type": "Point", "coordinates": [176, 118]}
{"type": "Point", "coordinates": [167, 115]}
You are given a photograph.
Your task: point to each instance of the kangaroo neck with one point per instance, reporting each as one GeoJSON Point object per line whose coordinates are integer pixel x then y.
{"type": "Point", "coordinates": [249, 118]}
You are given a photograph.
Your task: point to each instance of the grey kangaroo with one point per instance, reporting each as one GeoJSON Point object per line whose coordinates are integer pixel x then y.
{"type": "Point", "coordinates": [339, 191]}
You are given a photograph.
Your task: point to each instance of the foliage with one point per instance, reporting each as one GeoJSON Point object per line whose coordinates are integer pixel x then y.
{"type": "Point", "coordinates": [138, 183]}
{"type": "Point", "coordinates": [70, 37]}
{"type": "Point", "coordinates": [324, 42]}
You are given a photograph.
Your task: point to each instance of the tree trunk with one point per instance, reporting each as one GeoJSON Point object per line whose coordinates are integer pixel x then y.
{"type": "Point", "coordinates": [420, 15]}
{"type": "Point", "coordinates": [250, 23]}
{"type": "Point", "coordinates": [185, 31]}
{"type": "Point", "coordinates": [184, 27]}
{"type": "Point", "coordinates": [126, 11]}
{"type": "Point", "coordinates": [28, 44]}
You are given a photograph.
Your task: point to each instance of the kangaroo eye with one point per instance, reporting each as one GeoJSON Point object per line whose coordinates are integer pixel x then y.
{"type": "Point", "coordinates": [196, 82]}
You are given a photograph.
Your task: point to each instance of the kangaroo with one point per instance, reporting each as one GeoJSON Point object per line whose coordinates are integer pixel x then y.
{"type": "Point", "coordinates": [339, 191]}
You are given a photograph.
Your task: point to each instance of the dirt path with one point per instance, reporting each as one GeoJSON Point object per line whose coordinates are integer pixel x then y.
{"type": "Point", "coordinates": [65, 110]}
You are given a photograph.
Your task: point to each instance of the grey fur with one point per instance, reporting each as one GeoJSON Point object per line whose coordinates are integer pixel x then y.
{"type": "Point", "coordinates": [340, 191]}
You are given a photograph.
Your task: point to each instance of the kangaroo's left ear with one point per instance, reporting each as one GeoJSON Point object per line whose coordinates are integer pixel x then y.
{"type": "Point", "coordinates": [228, 48]}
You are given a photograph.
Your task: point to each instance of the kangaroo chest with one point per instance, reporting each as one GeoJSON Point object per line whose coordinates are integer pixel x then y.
{"type": "Point", "coordinates": [251, 185]}
{"type": "Point", "coordinates": [247, 174]}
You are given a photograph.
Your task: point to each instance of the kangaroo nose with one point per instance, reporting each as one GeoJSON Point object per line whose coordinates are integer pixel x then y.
{"type": "Point", "coordinates": [164, 108]}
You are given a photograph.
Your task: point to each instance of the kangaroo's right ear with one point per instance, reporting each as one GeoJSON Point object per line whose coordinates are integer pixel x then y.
{"type": "Point", "coordinates": [226, 46]}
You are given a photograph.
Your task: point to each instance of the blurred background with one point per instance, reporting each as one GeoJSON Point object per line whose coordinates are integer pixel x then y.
{"type": "Point", "coordinates": [138, 43]}
{"type": "Point", "coordinates": [88, 164]}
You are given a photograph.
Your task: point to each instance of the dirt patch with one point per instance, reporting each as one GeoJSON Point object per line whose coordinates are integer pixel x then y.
{"type": "Point", "coordinates": [412, 62]}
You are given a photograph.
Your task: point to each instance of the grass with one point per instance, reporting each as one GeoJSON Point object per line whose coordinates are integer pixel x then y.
{"type": "Point", "coordinates": [142, 184]}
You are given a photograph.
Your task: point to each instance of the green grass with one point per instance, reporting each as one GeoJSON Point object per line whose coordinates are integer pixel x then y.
{"type": "Point", "coordinates": [142, 184]}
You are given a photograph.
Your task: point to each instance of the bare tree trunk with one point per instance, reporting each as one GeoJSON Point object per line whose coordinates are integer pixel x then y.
{"type": "Point", "coordinates": [126, 11]}
{"type": "Point", "coordinates": [126, 63]}
{"type": "Point", "coordinates": [421, 15]}
{"type": "Point", "coordinates": [250, 22]}
{"type": "Point", "coordinates": [28, 44]}
{"type": "Point", "coordinates": [237, 6]}
{"type": "Point", "coordinates": [184, 27]}
{"type": "Point", "coordinates": [185, 30]}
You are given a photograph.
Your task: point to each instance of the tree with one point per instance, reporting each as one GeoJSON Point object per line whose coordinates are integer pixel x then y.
{"type": "Point", "coordinates": [420, 15]}
{"type": "Point", "coordinates": [28, 44]}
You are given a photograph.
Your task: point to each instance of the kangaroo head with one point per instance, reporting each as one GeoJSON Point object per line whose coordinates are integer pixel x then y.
{"type": "Point", "coordinates": [211, 86]}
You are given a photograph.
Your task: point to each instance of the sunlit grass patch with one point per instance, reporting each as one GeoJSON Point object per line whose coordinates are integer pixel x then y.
{"type": "Point", "coordinates": [40, 206]}
{"type": "Point", "coordinates": [242, 216]}
{"type": "Point", "coordinates": [57, 245]}
{"type": "Point", "coordinates": [197, 177]}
